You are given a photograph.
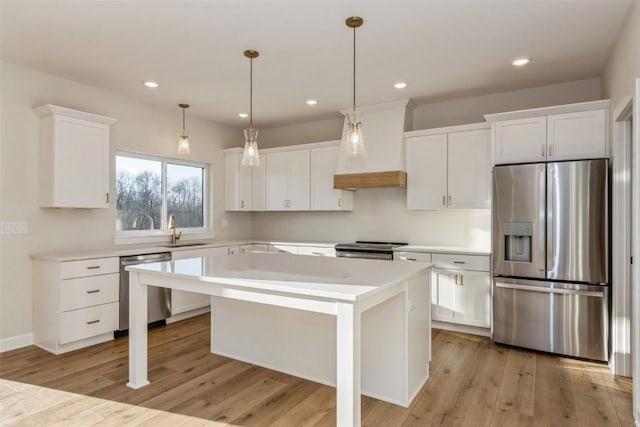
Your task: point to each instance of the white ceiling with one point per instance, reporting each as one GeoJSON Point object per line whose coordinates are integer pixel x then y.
{"type": "Point", "coordinates": [193, 49]}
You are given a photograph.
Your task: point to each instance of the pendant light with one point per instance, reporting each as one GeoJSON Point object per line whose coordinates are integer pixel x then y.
{"type": "Point", "coordinates": [250, 156]}
{"type": "Point", "coordinates": [354, 146]}
{"type": "Point", "coordinates": [183, 142]}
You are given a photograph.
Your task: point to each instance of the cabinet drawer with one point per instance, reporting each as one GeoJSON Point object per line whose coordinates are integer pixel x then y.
{"type": "Point", "coordinates": [317, 251]}
{"type": "Point", "coordinates": [90, 267]}
{"type": "Point", "coordinates": [88, 322]}
{"type": "Point", "coordinates": [89, 291]}
{"type": "Point", "coordinates": [461, 262]}
{"type": "Point", "coordinates": [412, 256]}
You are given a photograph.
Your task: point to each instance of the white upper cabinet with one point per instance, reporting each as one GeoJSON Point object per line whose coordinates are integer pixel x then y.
{"type": "Point", "coordinates": [74, 158]}
{"type": "Point", "coordinates": [323, 195]}
{"type": "Point", "coordinates": [469, 169]}
{"type": "Point", "coordinates": [287, 177]}
{"type": "Point", "coordinates": [449, 168]}
{"type": "Point", "coordinates": [521, 140]}
{"type": "Point", "coordinates": [244, 186]}
{"type": "Point", "coordinates": [566, 132]}
{"type": "Point", "coordinates": [426, 165]}
{"type": "Point", "coordinates": [576, 135]}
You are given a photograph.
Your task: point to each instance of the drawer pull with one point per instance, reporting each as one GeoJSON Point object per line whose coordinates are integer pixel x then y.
{"type": "Point", "coordinates": [411, 259]}
{"type": "Point", "coordinates": [317, 253]}
{"type": "Point", "coordinates": [459, 262]}
{"type": "Point", "coordinates": [93, 291]}
{"type": "Point", "coordinates": [92, 321]}
{"type": "Point", "coordinates": [93, 267]}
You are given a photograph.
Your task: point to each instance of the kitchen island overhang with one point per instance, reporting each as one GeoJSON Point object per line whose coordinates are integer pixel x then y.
{"type": "Point", "coordinates": [376, 313]}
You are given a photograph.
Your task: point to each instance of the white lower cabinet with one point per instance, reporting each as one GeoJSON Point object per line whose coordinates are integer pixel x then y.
{"type": "Point", "coordinates": [75, 303]}
{"type": "Point", "coordinates": [460, 287]}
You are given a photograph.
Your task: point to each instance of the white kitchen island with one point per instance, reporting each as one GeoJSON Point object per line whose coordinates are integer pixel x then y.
{"type": "Point", "coordinates": [362, 325]}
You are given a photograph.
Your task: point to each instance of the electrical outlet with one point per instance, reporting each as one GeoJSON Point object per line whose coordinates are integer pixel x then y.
{"type": "Point", "coordinates": [17, 227]}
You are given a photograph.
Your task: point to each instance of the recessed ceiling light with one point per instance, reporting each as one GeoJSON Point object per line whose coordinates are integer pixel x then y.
{"type": "Point", "coordinates": [312, 101]}
{"type": "Point", "coordinates": [151, 84]}
{"type": "Point", "coordinates": [521, 61]}
{"type": "Point", "coordinates": [243, 115]}
{"type": "Point", "coordinates": [400, 85]}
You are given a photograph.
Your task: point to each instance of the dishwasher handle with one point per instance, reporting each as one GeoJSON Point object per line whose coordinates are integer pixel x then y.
{"type": "Point", "coordinates": [550, 290]}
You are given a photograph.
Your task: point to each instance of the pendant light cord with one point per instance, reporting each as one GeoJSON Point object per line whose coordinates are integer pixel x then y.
{"type": "Point", "coordinates": [183, 120]}
{"type": "Point", "coordinates": [250, 93]}
{"type": "Point", "coordinates": [354, 70]}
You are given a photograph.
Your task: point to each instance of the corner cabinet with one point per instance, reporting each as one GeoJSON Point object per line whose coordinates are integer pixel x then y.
{"type": "Point", "coordinates": [244, 186]}
{"type": "Point", "coordinates": [323, 196]}
{"type": "Point", "coordinates": [567, 132]}
{"type": "Point", "coordinates": [74, 158]}
{"type": "Point", "coordinates": [449, 168]}
{"type": "Point", "coordinates": [288, 180]}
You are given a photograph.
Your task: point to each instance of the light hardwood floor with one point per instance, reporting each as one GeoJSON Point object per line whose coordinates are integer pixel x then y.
{"type": "Point", "coordinates": [473, 383]}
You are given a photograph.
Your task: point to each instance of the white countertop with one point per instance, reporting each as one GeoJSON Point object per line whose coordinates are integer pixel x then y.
{"type": "Point", "coordinates": [463, 250]}
{"type": "Point", "coordinates": [151, 248]}
{"type": "Point", "coordinates": [323, 277]}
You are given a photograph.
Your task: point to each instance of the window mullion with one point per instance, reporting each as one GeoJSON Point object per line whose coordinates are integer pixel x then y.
{"type": "Point", "coordinates": [165, 216]}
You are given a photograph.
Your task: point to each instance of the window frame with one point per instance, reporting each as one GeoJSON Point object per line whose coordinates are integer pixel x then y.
{"type": "Point", "coordinates": [138, 236]}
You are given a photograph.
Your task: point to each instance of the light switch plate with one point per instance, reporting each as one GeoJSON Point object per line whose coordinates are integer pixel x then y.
{"type": "Point", "coordinates": [16, 227]}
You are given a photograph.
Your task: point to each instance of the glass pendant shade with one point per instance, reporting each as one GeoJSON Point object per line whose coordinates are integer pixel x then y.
{"type": "Point", "coordinates": [354, 146]}
{"type": "Point", "coordinates": [183, 144]}
{"type": "Point", "coordinates": [250, 157]}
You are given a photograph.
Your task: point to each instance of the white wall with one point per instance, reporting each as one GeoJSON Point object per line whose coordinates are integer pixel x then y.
{"type": "Point", "coordinates": [140, 128]}
{"type": "Point", "coordinates": [380, 213]}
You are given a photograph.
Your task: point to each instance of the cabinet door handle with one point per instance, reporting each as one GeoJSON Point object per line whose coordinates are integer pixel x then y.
{"type": "Point", "coordinates": [93, 291]}
{"type": "Point", "coordinates": [93, 267]}
{"type": "Point", "coordinates": [242, 250]}
{"type": "Point", "coordinates": [461, 279]}
{"type": "Point", "coordinates": [550, 150]}
{"type": "Point", "coordinates": [93, 321]}
{"type": "Point", "coordinates": [542, 150]}
{"type": "Point", "coordinates": [449, 199]}
{"type": "Point", "coordinates": [459, 262]}
{"type": "Point", "coordinates": [340, 202]}
{"type": "Point", "coordinates": [455, 280]}
{"type": "Point", "coordinates": [107, 197]}
{"type": "Point", "coordinates": [241, 203]}
{"type": "Point", "coordinates": [443, 200]}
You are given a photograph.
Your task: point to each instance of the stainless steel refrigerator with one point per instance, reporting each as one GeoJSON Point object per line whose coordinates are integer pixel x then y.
{"type": "Point", "coordinates": [550, 257]}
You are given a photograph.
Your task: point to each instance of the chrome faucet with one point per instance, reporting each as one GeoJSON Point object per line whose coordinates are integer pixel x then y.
{"type": "Point", "coordinates": [172, 226]}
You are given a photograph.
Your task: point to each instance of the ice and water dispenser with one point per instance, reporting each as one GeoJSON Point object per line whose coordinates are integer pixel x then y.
{"type": "Point", "coordinates": [517, 241]}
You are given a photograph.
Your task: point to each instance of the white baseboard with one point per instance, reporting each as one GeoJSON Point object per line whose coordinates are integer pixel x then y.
{"type": "Point", "coordinates": [188, 314]}
{"type": "Point", "coordinates": [12, 343]}
{"type": "Point", "coordinates": [473, 330]}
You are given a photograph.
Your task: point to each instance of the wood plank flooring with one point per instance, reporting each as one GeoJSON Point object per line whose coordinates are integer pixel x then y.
{"type": "Point", "coordinates": [473, 382]}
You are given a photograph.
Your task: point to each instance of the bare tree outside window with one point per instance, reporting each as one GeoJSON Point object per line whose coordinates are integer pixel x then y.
{"type": "Point", "coordinates": [139, 194]}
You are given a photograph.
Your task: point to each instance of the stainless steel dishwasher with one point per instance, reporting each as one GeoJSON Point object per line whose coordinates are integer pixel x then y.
{"type": "Point", "coordinates": [159, 299]}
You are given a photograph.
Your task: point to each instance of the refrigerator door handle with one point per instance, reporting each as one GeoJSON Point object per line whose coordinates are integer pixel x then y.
{"type": "Point", "coordinates": [550, 290]}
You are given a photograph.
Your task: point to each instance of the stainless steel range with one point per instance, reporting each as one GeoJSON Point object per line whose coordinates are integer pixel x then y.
{"type": "Point", "coordinates": [369, 250]}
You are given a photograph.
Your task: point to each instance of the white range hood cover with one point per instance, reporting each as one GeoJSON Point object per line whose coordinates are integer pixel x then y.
{"type": "Point", "coordinates": [383, 127]}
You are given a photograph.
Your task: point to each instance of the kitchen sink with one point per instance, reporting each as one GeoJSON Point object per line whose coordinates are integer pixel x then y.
{"type": "Point", "coordinates": [180, 245]}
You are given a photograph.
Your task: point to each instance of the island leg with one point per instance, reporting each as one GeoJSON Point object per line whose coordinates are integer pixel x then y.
{"type": "Point", "coordinates": [348, 366]}
{"type": "Point", "coordinates": [137, 332]}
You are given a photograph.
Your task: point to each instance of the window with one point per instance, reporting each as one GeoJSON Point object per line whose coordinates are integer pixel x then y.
{"type": "Point", "coordinates": [149, 189]}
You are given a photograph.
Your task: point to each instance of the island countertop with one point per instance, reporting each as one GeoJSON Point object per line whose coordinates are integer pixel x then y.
{"type": "Point", "coordinates": [337, 279]}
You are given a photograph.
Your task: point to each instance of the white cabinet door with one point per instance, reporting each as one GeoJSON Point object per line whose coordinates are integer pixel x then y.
{"type": "Point", "coordinates": [520, 140]}
{"type": "Point", "coordinates": [447, 299]}
{"type": "Point", "coordinates": [259, 185]}
{"type": "Point", "coordinates": [578, 135]}
{"type": "Point", "coordinates": [182, 301]}
{"type": "Point", "coordinates": [238, 183]}
{"type": "Point", "coordinates": [323, 195]}
{"type": "Point", "coordinates": [426, 163]}
{"type": "Point", "coordinates": [288, 180]}
{"type": "Point", "coordinates": [299, 173]}
{"type": "Point", "coordinates": [476, 286]}
{"type": "Point", "coordinates": [469, 170]}
{"type": "Point", "coordinates": [277, 175]}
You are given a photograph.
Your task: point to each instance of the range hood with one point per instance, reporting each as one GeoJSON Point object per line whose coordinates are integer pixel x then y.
{"type": "Point", "coordinates": [383, 127]}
